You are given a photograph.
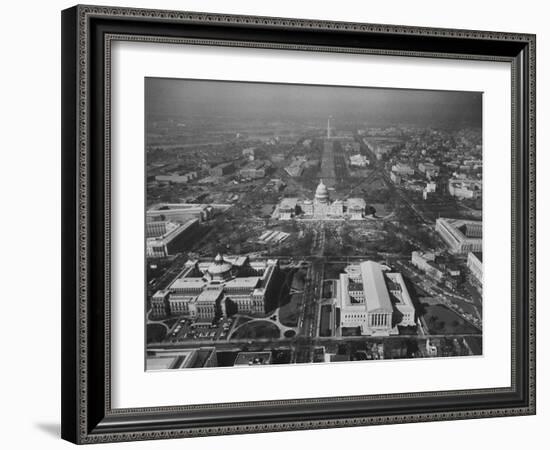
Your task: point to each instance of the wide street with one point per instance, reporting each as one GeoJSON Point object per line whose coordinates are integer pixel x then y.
{"type": "Point", "coordinates": [290, 344]}
{"type": "Point", "coordinates": [308, 318]}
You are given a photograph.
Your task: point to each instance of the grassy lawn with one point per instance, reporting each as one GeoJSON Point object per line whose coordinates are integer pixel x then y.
{"type": "Point", "coordinates": [325, 320]}
{"type": "Point", "coordinates": [333, 270]}
{"type": "Point", "coordinates": [299, 279]}
{"type": "Point", "coordinates": [240, 320]}
{"type": "Point", "coordinates": [381, 209]}
{"type": "Point", "coordinates": [257, 330]}
{"type": "Point", "coordinates": [328, 289]}
{"type": "Point", "coordinates": [290, 313]}
{"type": "Point", "coordinates": [155, 333]}
{"type": "Point", "coordinates": [284, 279]}
{"type": "Point", "coordinates": [441, 320]}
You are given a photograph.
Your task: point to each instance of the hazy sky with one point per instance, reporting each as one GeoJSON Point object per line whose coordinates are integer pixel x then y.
{"type": "Point", "coordinates": [243, 99]}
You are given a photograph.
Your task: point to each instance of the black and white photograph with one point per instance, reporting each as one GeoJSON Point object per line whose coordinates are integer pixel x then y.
{"type": "Point", "coordinates": [293, 223]}
{"type": "Point", "coordinates": [276, 225]}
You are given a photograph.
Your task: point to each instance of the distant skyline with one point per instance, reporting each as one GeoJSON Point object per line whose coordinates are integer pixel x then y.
{"type": "Point", "coordinates": [183, 97]}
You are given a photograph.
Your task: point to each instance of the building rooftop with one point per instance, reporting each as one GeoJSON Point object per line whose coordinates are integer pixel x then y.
{"type": "Point", "coordinates": [160, 362]}
{"type": "Point", "coordinates": [210, 295]}
{"type": "Point", "coordinates": [461, 228]}
{"type": "Point", "coordinates": [321, 192]}
{"type": "Point", "coordinates": [219, 266]}
{"type": "Point", "coordinates": [288, 203]}
{"type": "Point", "coordinates": [161, 293]}
{"type": "Point", "coordinates": [399, 289]}
{"type": "Point", "coordinates": [179, 359]}
{"type": "Point", "coordinates": [243, 282]}
{"type": "Point", "coordinates": [219, 274]}
{"type": "Point", "coordinates": [170, 359]}
{"type": "Point", "coordinates": [376, 292]}
{"type": "Point", "coordinates": [172, 231]}
{"type": "Point", "coordinates": [240, 260]}
{"type": "Point", "coordinates": [173, 206]}
{"type": "Point", "coordinates": [373, 284]}
{"type": "Point", "coordinates": [256, 164]}
{"type": "Point", "coordinates": [428, 256]}
{"type": "Point", "coordinates": [356, 203]}
{"type": "Point", "coordinates": [188, 283]}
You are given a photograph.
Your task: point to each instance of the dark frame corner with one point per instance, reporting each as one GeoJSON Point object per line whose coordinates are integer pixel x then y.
{"type": "Point", "coordinates": [87, 31]}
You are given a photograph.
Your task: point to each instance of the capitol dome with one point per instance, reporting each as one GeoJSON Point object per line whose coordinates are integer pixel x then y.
{"type": "Point", "coordinates": [220, 268]}
{"type": "Point", "coordinates": [321, 193]}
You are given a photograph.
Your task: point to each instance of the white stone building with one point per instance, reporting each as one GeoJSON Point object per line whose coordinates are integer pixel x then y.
{"type": "Point", "coordinates": [425, 261]}
{"type": "Point", "coordinates": [358, 160]}
{"type": "Point", "coordinates": [475, 264]}
{"type": "Point", "coordinates": [163, 238]}
{"type": "Point", "coordinates": [204, 290]}
{"type": "Point", "coordinates": [373, 300]}
{"type": "Point", "coordinates": [402, 169]}
{"type": "Point", "coordinates": [465, 189]}
{"type": "Point", "coordinates": [462, 236]}
{"type": "Point", "coordinates": [321, 207]}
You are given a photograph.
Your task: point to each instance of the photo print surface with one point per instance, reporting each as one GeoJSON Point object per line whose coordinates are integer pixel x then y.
{"type": "Point", "coordinates": [290, 224]}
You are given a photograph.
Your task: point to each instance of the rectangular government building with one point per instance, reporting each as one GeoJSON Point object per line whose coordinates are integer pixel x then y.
{"type": "Point", "coordinates": [180, 212]}
{"type": "Point", "coordinates": [181, 359]}
{"type": "Point", "coordinates": [475, 264]}
{"type": "Point", "coordinates": [461, 236]}
{"type": "Point", "coordinates": [373, 300]}
{"type": "Point", "coordinates": [222, 287]}
{"type": "Point", "coordinates": [167, 238]}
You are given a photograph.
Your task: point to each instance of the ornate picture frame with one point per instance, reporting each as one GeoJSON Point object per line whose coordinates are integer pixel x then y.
{"type": "Point", "coordinates": [87, 35]}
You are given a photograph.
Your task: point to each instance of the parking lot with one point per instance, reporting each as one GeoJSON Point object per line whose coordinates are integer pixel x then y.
{"type": "Point", "coordinates": [190, 330]}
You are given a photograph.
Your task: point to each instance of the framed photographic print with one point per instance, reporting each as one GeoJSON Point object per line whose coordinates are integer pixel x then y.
{"type": "Point", "coordinates": [282, 224]}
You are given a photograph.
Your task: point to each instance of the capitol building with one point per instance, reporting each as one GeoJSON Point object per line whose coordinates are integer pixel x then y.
{"type": "Point", "coordinates": [321, 207]}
